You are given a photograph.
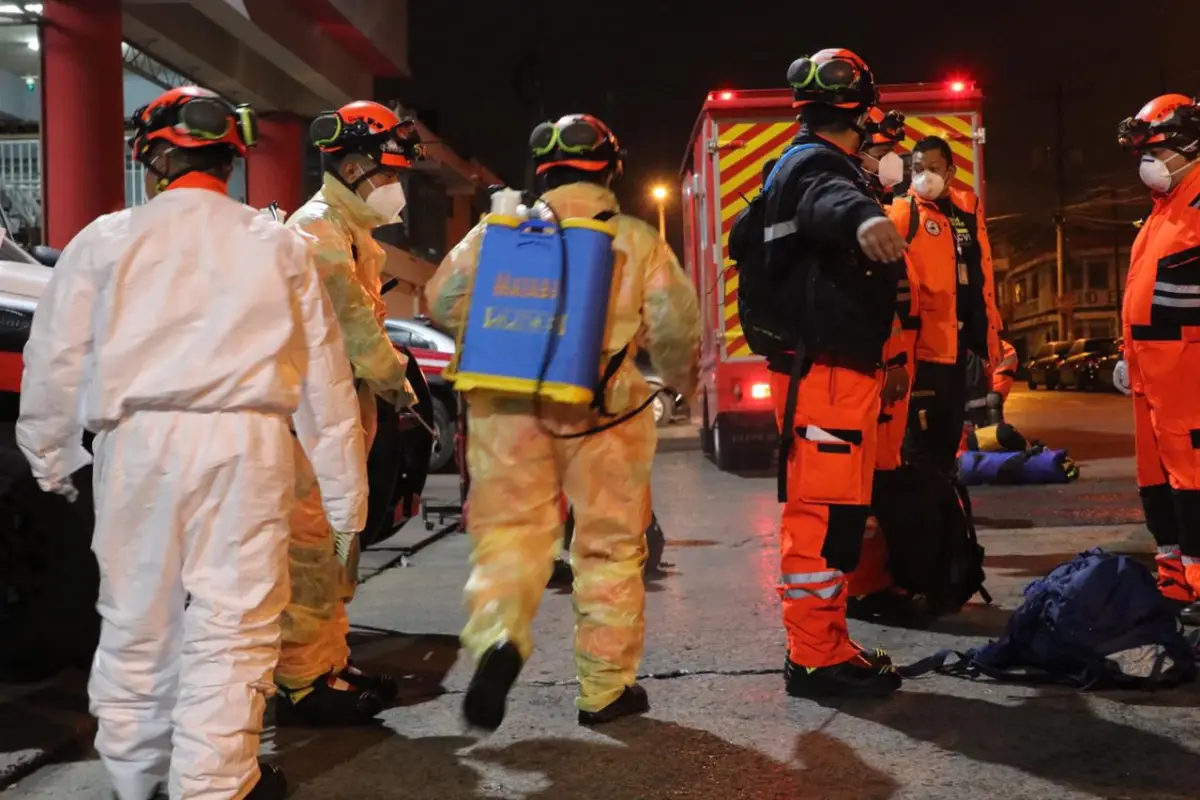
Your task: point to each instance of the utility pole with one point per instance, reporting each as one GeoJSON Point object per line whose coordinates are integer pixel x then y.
{"type": "Point", "coordinates": [1060, 217]}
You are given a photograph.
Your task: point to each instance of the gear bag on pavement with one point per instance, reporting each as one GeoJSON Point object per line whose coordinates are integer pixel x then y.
{"type": "Point", "coordinates": [933, 551]}
{"type": "Point", "coordinates": [1097, 621]}
{"type": "Point", "coordinates": [768, 328]}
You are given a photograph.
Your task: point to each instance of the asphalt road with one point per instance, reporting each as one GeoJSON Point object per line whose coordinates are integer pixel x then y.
{"type": "Point", "coordinates": [721, 726]}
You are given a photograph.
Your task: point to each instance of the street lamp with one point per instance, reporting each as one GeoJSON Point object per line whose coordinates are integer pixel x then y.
{"type": "Point", "coordinates": [659, 193]}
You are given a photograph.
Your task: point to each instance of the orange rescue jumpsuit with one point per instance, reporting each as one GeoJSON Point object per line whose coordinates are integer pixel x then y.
{"type": "Point", "coordinates": [1161, 314]}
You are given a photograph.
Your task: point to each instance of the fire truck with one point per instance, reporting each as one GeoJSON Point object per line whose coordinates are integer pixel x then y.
{"type": "Point", "coordinates": [735, 136]}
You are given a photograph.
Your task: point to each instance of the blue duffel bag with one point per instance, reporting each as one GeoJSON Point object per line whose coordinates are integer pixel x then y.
{"type": "Point", "coordinates": [1036, 465]}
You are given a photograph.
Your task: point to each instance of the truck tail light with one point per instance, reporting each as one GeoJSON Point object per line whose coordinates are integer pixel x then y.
{"type": "Point", "coordinates": [760, 391]}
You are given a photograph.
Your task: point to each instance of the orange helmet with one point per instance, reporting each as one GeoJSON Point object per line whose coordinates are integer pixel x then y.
{"type": "Point", "coordinates": [882, 128]}
{"type": "Point", "coordinates": [370, 129]}
{"type": "Point", "coordinates": [835, 77]}
{"type": "Point", "coordinates": [1171, 121]}
{"type": "Point", "coordinates": [191, 116]}
{"type": "Point", "coordinates": [580, 141]}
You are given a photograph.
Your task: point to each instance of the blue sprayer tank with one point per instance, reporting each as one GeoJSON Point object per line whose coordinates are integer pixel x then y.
{"type": "Point", "coordinates": [512, 307]}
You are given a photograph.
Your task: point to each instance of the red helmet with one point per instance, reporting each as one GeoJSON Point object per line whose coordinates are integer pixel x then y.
{"type": "Point", "coordinates": [1171, 121]}
{"type": "Point", "coordinates": [835, 77]}
{"type": "Point", "coordinates": [191, 117]}
{"type": "Point", "coordinates": [882, 128]}
{"type": "Point", "coordinates": [370, 129]}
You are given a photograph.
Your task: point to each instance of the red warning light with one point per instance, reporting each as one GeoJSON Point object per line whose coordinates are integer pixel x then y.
{"type": "Point", "coordinates": [958, 86]}
{"type": "Point", "coordinates": [726, 95]}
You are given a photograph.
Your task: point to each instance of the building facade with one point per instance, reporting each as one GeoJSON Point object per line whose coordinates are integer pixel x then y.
{"type": "Point", "coordinates": [72, 72]}
{"type": "Point", "coordinates": [1090, 306]}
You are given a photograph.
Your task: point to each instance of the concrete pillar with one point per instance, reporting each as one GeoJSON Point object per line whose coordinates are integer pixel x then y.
{"type": "Point", "coordinates": [83, 148]}
{"type": "Point", "coordinates": [275, 168]}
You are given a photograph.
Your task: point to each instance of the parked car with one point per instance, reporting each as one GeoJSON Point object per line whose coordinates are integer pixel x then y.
{"type": "Point", "coordinates": [1043, 367]}
{"type": "Point", "coordinates": [432, 348]}
{"type": "Point", "coordinates": [668, 405]}
{"type": "Point", "coordinates": [1105, 365]}
{"type": "Point", "coordinates": [48, 577]}
{"type": "Point", "coordinates": [1081, 368]}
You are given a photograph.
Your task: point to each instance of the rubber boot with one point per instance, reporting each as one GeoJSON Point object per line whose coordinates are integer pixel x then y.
{"type": "Point", "coordinates": [487, 697]}
{"type": "Point", "coordinates": [859, 677]}
{"type": "Point", "coordinates": [326, 704]}
{"type": "Point", "coordinates": [383, 685]}
{"type": "Point", "coordinates": [632, 701]}
{"type": "Point", "coordinates": [272, 785]}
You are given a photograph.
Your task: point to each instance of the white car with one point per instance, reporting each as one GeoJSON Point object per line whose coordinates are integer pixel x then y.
{"type": "Point", "coordinates": [433, 348]}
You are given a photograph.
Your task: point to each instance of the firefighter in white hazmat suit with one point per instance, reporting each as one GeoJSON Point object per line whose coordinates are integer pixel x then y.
{"type": "Point", "coordinates": [185, 333]}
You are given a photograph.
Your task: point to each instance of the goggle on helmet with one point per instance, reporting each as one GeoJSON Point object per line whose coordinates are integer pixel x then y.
{"type": "Point", "coordinates": [369, 129]}
{"type": "Point", "coordinates": [580, 141]}
{"type": "Point", "coordinates": [881, 128]}
{"type": "Point", "coordinates": [1171, 121]}
{"type": "Point", "coordinates": [193, 117]}
{"type": "Point", "coordinates": [835, 77]}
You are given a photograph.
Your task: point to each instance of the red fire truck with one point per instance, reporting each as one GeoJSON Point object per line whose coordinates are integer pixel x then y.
{"type": "Point", "coordinates": [735, 136]}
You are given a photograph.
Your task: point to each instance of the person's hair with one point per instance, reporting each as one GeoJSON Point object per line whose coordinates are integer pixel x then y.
{"type": "Point", "coordinates": [216, 160]}
{"type": "Point", "coordinates": [930, 143]}
{"type": "Point", "coordinates": [562, 176]}
{"type": "Point", "coordinates": [821, 118]}
{"type": "Point", "coordinates": [767, 167]}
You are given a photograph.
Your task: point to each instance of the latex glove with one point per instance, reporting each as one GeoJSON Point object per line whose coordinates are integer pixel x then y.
{"type": "Point", "coordinates": [345, 545]}
{"type": "Point", "coordinates": [64, 488]}
{"type": "Point", "coordinates": [895, 385]}
{"type": "Point", "coordinates": [1121, 377]}
{"type": "Point", "coordinates": [880, 241]}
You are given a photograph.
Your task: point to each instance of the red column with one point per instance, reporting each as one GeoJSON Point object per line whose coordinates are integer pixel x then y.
{"type": "Point", "coordinates": [275, 168]}
{"type": "Point", "coordinates": [83, 107]}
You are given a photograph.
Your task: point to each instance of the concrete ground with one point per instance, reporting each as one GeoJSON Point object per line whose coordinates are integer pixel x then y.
{"type": "Point", "coordinates": [721, 725]}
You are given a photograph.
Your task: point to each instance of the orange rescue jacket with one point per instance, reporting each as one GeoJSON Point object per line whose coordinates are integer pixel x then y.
{"type": "Point", "coordinates": [1161, 309]}
{"type": "Point", "coordinates": [934, 258]}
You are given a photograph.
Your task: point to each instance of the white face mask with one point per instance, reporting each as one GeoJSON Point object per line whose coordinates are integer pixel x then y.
{"type": "Point", "coordinates": [891, 170]}
{"type": "Point", "coordinates": [1157, 176]}
{"type": "Point", "coordinates": [388, 201]}
{"type": "Point", "coordinates": [928, 185]}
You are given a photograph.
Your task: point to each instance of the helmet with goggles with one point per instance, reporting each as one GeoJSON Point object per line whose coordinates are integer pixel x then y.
{"type": "Point", "coordinates": [1171, 122]}
{"type": "Point", "coordinates": [579, 141]}
{"type": "Point", "coordinates": [883, 128]}
{"type": "Point", "coordinates": [192, 117]}
{"type": "Point", "coordinates": [369, 129]}
{"type": "Point", "coordinates": [834, 77]}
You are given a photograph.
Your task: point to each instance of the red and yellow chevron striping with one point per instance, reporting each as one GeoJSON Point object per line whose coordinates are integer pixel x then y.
{"type": "Point", "coordinates": [745, 148]}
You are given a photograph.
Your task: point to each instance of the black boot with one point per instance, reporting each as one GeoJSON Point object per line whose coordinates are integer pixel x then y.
{"type": "Point", "coordinates": [1191, 615]}
{"type": "Point", "coordinates": [271, 784]}
{"type": "Point", "coordinates": [632, 701]}
{"type": "Point", "coordinates": [888, 608]}
{"type": "Point", "coordinates": [324, 705]}
{"type": "Point", "coordinates": [487, 696]}
{"type": "Point", "coordinates": [861, 676]}
{"type": "Point", "coordinates": [383, 685]}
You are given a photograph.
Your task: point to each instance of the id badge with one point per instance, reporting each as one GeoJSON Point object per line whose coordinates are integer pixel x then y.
{"type": "Point", "coordinates": [962, 274]}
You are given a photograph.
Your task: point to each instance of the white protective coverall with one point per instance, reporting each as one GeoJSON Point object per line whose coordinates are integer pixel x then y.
{"type": "Point", "coordinates": [186, 332]}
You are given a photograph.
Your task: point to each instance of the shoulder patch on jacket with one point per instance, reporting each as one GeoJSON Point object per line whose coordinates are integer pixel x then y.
{"type": "Point", "coordinates": [932, 227]}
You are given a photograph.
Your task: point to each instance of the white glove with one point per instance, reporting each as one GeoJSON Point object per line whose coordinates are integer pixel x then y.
{"type": "Point", "coordinates": [1121, 377]}
{"type": "Point", "coordinates": [64, 488]}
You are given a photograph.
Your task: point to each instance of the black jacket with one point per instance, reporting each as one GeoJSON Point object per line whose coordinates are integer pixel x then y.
{"type": "Point", "coordinates": [844, 301]}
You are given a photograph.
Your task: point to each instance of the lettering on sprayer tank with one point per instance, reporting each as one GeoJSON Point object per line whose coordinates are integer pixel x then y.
{"type": "Point", "coordinates": [530, 288]}
{"type": "Point", "coordinates": [519, 320]}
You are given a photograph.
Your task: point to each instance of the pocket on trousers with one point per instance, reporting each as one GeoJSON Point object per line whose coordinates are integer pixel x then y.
{"type": "Point", "coordinates": [830, 466]}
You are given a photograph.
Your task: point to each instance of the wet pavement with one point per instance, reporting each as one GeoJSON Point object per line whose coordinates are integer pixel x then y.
{"type": "Point", "coordinates": [721, 726]}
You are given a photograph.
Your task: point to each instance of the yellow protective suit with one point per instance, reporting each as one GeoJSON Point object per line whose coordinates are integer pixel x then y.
{"type": "Point", "coordinates": [185, 332]}
{"type": "Point", "coordinates": [519, 473]}
{"type": "Point", "coordinates": [350, 262]}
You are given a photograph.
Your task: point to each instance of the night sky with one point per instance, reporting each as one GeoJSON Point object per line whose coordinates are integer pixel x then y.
{"type": "Point", "coordinates": [491, 70]}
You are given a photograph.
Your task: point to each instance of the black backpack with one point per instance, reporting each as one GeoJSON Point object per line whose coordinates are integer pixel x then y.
{"type": "Point", "coordinates": [933, 550]}
{"type": "Point", "coordinates": [767, 332]}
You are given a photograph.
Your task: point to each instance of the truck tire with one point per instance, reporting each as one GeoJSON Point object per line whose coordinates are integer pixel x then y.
{"type": "Point", "coordinates": [443, 447]}
{"type": "Point", "coordinates": [706, 434]}
{"type": "Point", "coordinates": [724, 453]}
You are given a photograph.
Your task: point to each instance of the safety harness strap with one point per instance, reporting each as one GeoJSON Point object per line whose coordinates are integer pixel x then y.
{"type": "Point", "coordinates": [787, 429]}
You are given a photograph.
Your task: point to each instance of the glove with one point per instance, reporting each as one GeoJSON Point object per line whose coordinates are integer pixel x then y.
{"type": "Point", "coordinates": [1121, 377]}
{"type": "Point", "coordinates": [895, 385]}
{"type": "Point", "coordinates": [345, 545]}
{"type": "Point", "coordinates": [64, 488]}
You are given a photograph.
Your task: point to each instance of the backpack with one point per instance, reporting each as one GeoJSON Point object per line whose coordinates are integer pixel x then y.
{"type": "Point", "coordinates": [757, 293]}
{"type": "Point", "coordinates": [1096, 621]}
{"type": "Point", "coordinates": [1036, 465]}
{"type": "Point", "coordinates": [933, 550]}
